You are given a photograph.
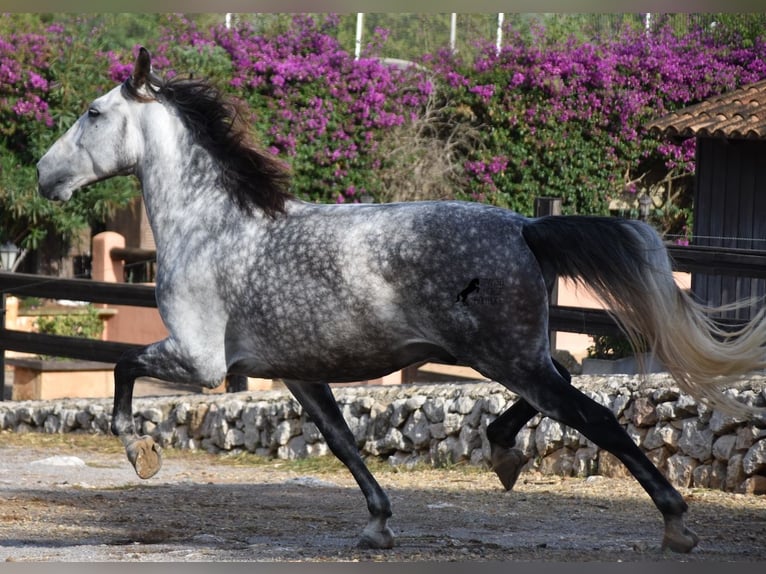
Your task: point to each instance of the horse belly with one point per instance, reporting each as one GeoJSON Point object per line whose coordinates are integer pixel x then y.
{"type": "Point", "coordinates": [368, 359]}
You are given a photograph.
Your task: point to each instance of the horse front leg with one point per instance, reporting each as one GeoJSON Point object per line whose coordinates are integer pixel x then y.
{"type": "Point", "coordinates": [161, 361]}
{"type": "Point", "coordinates": [318, 401]}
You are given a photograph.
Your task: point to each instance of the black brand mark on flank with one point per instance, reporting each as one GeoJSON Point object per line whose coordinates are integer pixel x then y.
{"type": "Point", "coordinates": [482, 291]}
{"type": "Point", "coordinates": [463, 295]}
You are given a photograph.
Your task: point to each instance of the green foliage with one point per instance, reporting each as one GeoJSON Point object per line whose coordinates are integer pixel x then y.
{"type": "Point", "coordinates": [178, 43]}
{"type": "Point", "coordinates": [83, 323]}
{"type": "Point", "coordinates": [610, 347]}
{"type": "Point", "coordinates": [741, 30]}
{"type": "Point", "coordinates": [26, 303]}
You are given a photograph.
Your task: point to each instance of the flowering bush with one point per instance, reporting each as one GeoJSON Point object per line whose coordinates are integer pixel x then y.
{"type": "Point", "coordinates": [25, 115]}
{"type": "Point", "coordinates": [314, 103]}
{"type": "Point", "coordinates": [567, 119]}
{"type": "Point", "coordinates": [47, 76]}
{"type": "Point", "coordinates": [24, 85]}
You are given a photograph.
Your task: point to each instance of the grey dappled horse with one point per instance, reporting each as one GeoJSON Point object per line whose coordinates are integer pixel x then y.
{"type": "Point", "coordinates": [253, 281]}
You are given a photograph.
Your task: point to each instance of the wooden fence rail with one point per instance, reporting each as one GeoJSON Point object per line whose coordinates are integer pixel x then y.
{"type": "Point", "coordinates": [719, 260]}
{"type": "Point", "coordinates": [25, 285]}
{"type": "Point", "coordinates": [709, 260]}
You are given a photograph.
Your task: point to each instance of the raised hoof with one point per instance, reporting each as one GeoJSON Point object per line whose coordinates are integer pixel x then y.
{"type": "Point", "coordinates": [507, 464]}
{"type": "Point", "coordinates": [677, 537]}
{"type": "Point", "coordinates": [378, 540]}
{"type": "Point", "coordinates": [145, 455]}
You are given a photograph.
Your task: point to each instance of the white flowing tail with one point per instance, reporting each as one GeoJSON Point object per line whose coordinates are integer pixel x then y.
{"type": "Point", "coordinates": [627, 265]}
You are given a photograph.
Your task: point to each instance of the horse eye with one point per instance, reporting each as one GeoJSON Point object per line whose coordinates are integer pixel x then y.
{"type": "Point", "coordinates": [93, 112]}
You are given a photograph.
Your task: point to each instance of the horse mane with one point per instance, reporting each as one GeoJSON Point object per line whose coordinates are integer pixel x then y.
{"type": "Point", "coordinates": [253, 178]}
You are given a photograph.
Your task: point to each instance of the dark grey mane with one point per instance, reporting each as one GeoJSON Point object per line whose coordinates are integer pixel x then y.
{"type": "Point", "coordinates": [253, 177]}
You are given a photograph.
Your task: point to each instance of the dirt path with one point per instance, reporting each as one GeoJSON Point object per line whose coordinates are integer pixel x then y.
{"type": "Point", "coordinates": [201, 508]}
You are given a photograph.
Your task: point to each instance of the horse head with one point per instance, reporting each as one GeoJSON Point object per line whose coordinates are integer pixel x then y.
{"type": "Point", "coordinates": [149, 127]}
{"type": "Point", "coordinates": [105, 141]}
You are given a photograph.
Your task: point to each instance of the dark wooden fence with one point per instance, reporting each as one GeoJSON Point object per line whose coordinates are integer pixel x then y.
{"type": "Point", "coordinates": [709, 260]}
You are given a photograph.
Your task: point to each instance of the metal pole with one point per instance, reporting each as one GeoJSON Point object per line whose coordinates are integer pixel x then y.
{"type": "Point", "coordinates": [9, 258]}
{"type": "Point", "coordinates": [453, 32]}
{"type": "Point", "coordinates": [359, 30]}
{"type": "Point", "coordinates": [2, 350]}
{"type": "Point", "coordinates": [500, 18]}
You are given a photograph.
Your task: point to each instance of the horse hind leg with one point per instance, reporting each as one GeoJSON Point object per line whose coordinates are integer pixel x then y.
{"type": "Point", "coordinates": [507, 461]}
{"type": "Point", "coordinates": [550, 393]}
{"type": "Point", "coordinates": [318, 401]}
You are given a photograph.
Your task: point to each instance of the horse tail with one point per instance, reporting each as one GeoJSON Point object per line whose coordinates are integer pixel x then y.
{"type": "Point", "coordinates": [628, 267]}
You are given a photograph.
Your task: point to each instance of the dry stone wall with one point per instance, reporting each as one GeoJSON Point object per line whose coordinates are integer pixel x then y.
{"type": "Point", "coordinates": [442, 424]}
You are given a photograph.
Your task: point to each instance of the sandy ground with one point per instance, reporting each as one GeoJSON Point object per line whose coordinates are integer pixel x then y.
{"type": "Point", "coordinates": [62, 501]}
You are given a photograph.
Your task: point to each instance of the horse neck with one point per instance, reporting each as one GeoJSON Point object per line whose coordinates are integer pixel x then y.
{"type": "Point", "coordinates": [181, 189]}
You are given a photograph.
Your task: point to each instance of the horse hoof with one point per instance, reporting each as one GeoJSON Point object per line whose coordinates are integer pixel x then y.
{"type": "Point", "coordinates": [507, 464]}
{"type": "Point", "coordinates": [678, 538]}
{"type": "Point", "coordinates": [378, 540]}
{"type": "Point", "coordinates": [145, 455]}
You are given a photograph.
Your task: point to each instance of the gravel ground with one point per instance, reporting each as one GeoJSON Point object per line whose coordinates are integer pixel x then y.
{"type": "Point", "coordinates": [68, 501]}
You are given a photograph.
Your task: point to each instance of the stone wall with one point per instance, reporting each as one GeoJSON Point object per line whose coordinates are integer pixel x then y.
{"type": "Point", "coordinates": [443, 424]}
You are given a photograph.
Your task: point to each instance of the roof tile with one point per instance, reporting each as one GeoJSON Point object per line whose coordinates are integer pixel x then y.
{"type": "Point", "coordinates": [740, 113]}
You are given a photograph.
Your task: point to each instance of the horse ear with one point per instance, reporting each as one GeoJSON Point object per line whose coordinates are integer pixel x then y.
{"type": "Point", "coordinates": [142, 69]}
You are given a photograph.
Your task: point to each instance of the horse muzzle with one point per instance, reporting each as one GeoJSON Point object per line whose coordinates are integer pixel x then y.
{"type": "Point", "coordinates": [50, 186]}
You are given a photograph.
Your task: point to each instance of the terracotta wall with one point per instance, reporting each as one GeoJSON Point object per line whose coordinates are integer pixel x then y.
{"type": "Point", "coordinates": [570, 295]}
{"type": "Point", "coordinates": [128, 324]}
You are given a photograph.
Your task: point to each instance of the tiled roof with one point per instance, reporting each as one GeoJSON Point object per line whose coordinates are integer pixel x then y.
{"type": "Point", "coordinates": [740, 113]}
